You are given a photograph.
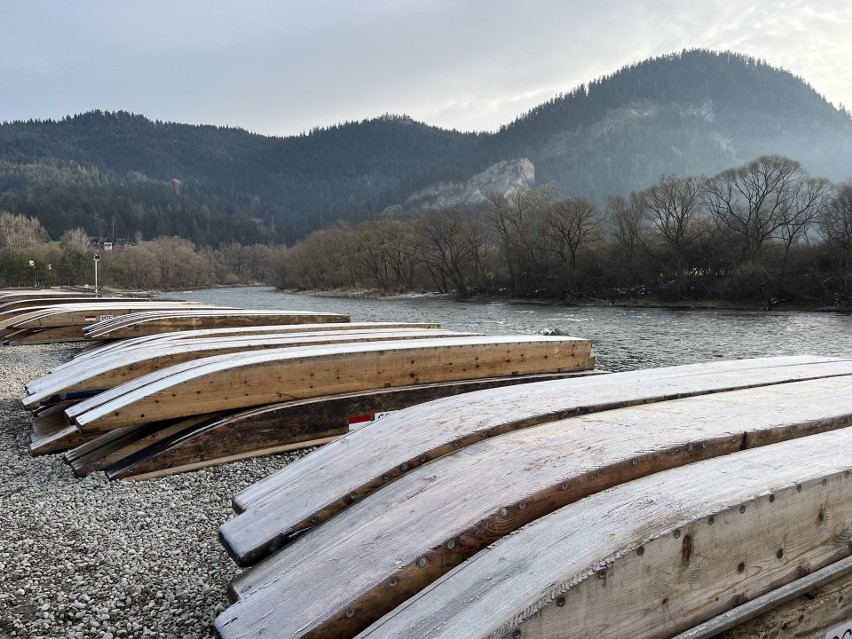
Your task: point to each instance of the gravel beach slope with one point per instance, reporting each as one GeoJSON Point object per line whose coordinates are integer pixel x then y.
{"type": "Point", "coordinates": [92, 558]}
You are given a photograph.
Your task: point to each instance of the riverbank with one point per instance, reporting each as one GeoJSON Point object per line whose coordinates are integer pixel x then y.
{"type": "Point", "coordinates": [92, 558]}
{"type": "Point", "coordinates": [645, 301]}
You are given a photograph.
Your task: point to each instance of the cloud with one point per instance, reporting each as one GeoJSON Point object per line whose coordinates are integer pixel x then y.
{"type": "Point", "coordinates": [281, 67]}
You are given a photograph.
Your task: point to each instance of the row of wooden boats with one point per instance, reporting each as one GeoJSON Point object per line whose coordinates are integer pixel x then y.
{"type": "Point", "coordinates": [513, 491]}
{"type": "Point", "coordinates": [673, 502]}
{"type": "Point", "coordinates": [241, 386]}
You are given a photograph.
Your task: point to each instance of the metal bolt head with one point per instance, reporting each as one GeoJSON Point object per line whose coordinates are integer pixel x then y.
{"type": "Point", "coordinates": [350, 613]}
{"type": "Point", "coordinates": [516, 634]}
{"type": "Point", "coordinates": [451, 544]}
{"type": "Point", "coordinates": [676, 534]}
{"type": "Point", "coordinates": [421, 561]}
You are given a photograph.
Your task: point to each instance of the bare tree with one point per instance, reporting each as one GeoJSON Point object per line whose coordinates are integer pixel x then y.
{"type": "Point", "coordinates": [518, 219]}
{"type": "Point", "coordinates": [455, 251]}
{"type": "Point", "coordinates": [627, 221]}
{"type": "Point", "coordinates": [571, 224]}
{"type": "Point", "coordinates": [674, 207]}
{"type": "Point", "coordinates": [835, 225]}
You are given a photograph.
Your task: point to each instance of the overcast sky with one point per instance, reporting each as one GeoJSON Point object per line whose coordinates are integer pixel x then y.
{"type": "Point", "coordinates": [280, 67]}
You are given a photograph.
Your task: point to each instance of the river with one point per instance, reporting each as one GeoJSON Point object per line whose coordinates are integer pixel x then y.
{"type": "Point", "coordinates": [623, 338]}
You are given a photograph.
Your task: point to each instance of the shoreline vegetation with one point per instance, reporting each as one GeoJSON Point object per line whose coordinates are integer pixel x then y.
{"type": "Point", "coordinates": [764, 235]}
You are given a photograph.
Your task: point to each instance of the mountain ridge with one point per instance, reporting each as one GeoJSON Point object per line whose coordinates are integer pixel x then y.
{"type": "Point", "coordinates": [693, 112]}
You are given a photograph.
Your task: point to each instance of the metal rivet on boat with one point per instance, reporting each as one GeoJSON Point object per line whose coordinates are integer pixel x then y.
{"type": "Point", "coordinates": [393, 582]}
{"type": "Point", "coordinates": [386, 476]}
{"type": "Point", "coordinates": [403, 466]}
{"type": "Point", "coordinates": [793, 428]}
{"type": "Point", "coordinates": [771, 498]}
{"type": "Point", "coordinates": [640, 550]}
{"type": "Point", "coordinates": [711, 519]}
{"type": "Point", "coordinates": [350, 613]}
{"type": "Point", "coordinates": [564, 485]}
{"type": "Point", "coordinates": [676, 534]}
{"type": "Point", "coordinates": [703, 444]}
{"type": "Point", "coordinates": [742, 508]}
{"type": "Point", "coordinates": [456, 443]}
{"type": "Point", "coordinates": [353, 496]}
{"type": "Point", "coordinates": [780, 553]}
{"type": "Point", "coordinates": [560, 601]}
{"type": "Point", "coordinates": [734, 438]}
{"type": "Point", "coordinates": [451, 544]}
{"type": "Point", "coordinates": [504, 512]}
{"type": "Point", "coordinates": [634, 461]}
{"type": "Point", "coordinates": [422, 459]}
{"type": "Point", "coordinates": [689, 447]}
{"type": "Point", "coordinates": [599, 472]}
{"type": "Point", "coordinates": [421, 561]}
{"type": "Point", "coordinates": [516, 634]}
{"type": "Point", "coordinates": [522, 505]}
{"type": "Point", "coordinates": [314, 519]}
{"type": "Point", "coordinates": [602, 573]}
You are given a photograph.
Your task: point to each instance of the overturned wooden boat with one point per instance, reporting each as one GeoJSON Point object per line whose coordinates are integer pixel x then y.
{"type": "Point", "coordinates": [152, 323]}
{"type": "Point", "coordinates": [241, 380]}
{"type": "Point", "coordinates": [185, 407]}
{"type": "Point", "coordinates": [639, 504]}
{"type": "Point", "coordinates": [144, 452]}
{"type": "Point", "coordinates": [96, 371]}
{"type": "Point", "coordinates": [66, 322]}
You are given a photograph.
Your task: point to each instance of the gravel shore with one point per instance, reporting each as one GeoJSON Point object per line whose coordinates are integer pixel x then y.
{"type": "Point", "coordinates": [93, 558]}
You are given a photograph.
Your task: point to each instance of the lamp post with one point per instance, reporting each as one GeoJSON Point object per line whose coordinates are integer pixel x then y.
{"type": "Point", "coordinates": [97, 259]}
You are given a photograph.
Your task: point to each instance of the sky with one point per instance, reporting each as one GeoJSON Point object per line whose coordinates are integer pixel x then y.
{"type": "Point", "coordinates": [282, 67]}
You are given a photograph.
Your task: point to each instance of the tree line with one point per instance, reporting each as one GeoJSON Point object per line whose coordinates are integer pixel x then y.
{"type": "Point", "coordinates": [762, 233]}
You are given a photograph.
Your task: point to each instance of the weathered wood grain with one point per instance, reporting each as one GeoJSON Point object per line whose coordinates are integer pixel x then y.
{"type": "Point", "coordinates": [256, 432]}
{"type": "Point", "coordinates": [242, 380]}
{"type": "Point", "coordinates": [652, 557]}
{"type": "Point", "coordinates": [461, 503]}
{"type": "Point", "coordinates": [204, 333]}
{"type": "Point", "coordinates": [95, 374]}
{"type": "Point", "coordinates": [190, 321]}
{"type": "Point", "coordinates": [280, 506]}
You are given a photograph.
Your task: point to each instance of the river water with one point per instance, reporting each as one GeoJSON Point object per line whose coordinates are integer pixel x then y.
{"type": "Point", "coordinates": [623, 338]}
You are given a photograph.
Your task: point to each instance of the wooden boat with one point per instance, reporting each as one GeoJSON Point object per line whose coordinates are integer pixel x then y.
{"type": "Point", "coordinates": [67, 321]}
{"type": "Point", "coordinates": [169, 321]}
{"type": "Point", "coordinates": [534, 463]}
{"type": "Point", "coordinates": [57, 300]}
{"type": "Point", "coordinates": [142, 452]}
{"type": "Point", "coordinates": [234, 331]}
{"type": "Point", "coordinates": [241, 380]}
{"type": "Point", "coordinates": [93, 372]}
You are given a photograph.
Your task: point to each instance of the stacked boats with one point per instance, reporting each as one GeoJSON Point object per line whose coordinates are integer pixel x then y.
{"type": "Point", "coordinates": [658, 503]}
{"type": "Point", "coordinates": [670, 502]}
{"type": "Point", "coordinates": [232, 384]}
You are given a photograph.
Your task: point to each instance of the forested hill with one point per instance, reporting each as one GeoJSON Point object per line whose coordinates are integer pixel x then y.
{"type": "Point", "coordinates": [696, 112]}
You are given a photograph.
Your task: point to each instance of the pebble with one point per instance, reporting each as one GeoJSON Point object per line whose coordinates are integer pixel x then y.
{"type": "Point", "coordinates": [93, 558]}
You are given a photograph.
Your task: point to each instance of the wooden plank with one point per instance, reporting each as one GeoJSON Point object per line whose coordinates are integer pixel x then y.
{"type": "Point", "coordinates": [149, 326]}
{"type": "Point", "coordinates": [234, 381]}
{"type": "Point", "coordinates": [106, 450]}
{"type": "Point", "coordinates": [290, 424]}
{"type": "Point", "coordinates": [652, 557]}
{"type": "Point", "coordinates": [57, 301]}
{"type": "Point", "coordinates": [321, 485]}
{"type": "Point", "coordinates": [809, 606]}
{"type": "Point", "coordinates": [461, 503]}
{"type": "Point", "coordinates": [77, 314]}
{"type": "Point", "coordinates": [203, 333]}
{"type": "Point", "coordinates": [96, 374]}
